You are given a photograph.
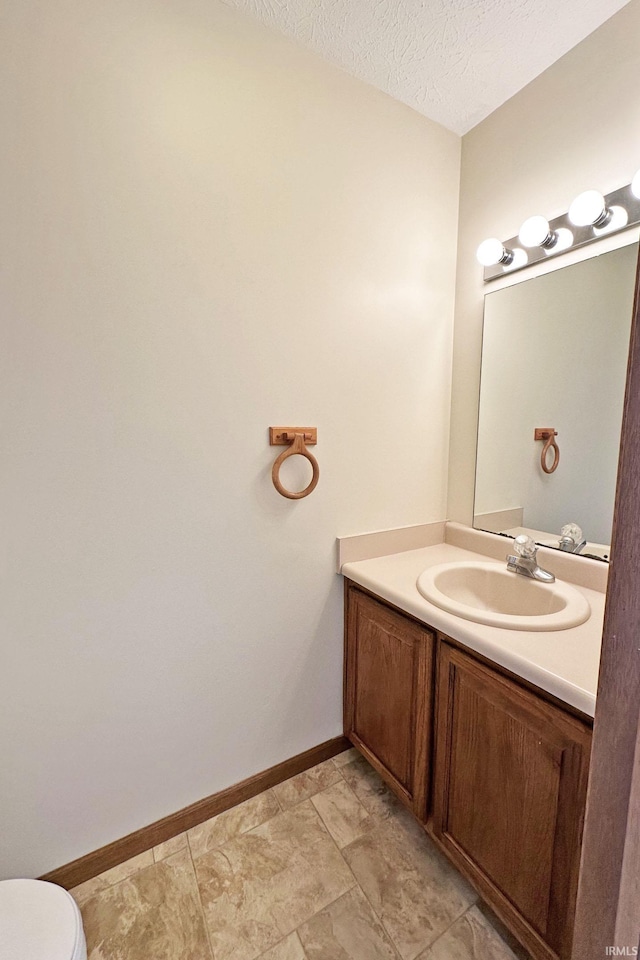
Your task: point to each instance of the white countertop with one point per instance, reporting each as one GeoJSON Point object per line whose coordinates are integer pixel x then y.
{"type": "Point", "coordinates": [563, 662]}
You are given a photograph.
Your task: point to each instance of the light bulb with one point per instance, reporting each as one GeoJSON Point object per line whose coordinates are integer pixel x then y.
{"type": "Point", "coordinates": [618, 218]}
{"type": "Point", "coordinates": [589, 209]}
{"type": "Point", "coordinates": [536, 232]}
{"type": "Point", "coordinates": [519, 259]}
{"type": "Point", "coordinates": [492, 252]}
{"type": "Point", "coordinates": [564, 241]}
{"type": "Point", "coordinates": [635, 185]}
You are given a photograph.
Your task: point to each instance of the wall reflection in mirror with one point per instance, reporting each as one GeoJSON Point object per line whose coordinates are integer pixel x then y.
{"type": "Point", "coordinates": [554, 356]}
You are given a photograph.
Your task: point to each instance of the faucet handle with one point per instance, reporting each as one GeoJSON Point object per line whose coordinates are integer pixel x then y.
{"type": "Point", "coordinates": [525, 547]}
{"type": "Point", "coordinates": [572, 530]}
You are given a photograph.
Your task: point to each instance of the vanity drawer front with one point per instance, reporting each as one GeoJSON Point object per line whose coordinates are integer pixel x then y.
{"type": "Point", "coordinates": [510, 787]}
{"type": "Point", "coordinates": [389, 662]}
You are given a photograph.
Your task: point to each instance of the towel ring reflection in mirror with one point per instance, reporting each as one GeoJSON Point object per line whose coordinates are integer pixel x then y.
{"type": "Point", "coordinates": [548, 435]}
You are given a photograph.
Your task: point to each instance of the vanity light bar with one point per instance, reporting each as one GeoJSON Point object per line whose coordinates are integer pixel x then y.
{"type": "Point", "coordinates": [591, 216]}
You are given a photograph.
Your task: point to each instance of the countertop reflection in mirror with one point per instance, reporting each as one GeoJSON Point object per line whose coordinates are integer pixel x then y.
{"type": "Point", "coordinates": [554, 351]}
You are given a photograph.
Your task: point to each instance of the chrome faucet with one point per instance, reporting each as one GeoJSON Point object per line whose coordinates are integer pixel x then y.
{"type": "Point", "coordinates": [569, 545]}
{"type": "Point", "coordinates": [524, 561]}
{"type": "Point", "coordinates": [571, 540]}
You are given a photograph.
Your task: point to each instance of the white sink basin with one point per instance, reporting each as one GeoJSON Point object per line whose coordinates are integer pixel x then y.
{"type": "Point", "coordinates": [486, 592]}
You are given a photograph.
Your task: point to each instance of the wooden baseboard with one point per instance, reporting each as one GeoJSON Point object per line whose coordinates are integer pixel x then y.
{"type": "Point", "coordinates": [95, 863]}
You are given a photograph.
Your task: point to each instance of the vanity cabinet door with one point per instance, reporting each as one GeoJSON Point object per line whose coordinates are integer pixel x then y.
{"type": "Point", "coordinates": [510, 786]}
{"type": "Point", "coordinates": [389, 663]}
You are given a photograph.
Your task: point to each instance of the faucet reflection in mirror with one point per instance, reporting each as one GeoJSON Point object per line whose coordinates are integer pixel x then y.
{"type": "Point", "coordinates": [591, 216]}
{"type": "Point", "coordinates": [571, 539]}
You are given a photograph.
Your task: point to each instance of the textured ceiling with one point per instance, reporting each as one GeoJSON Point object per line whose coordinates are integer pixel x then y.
{"type": "Point", "coordinates": [454, 61]}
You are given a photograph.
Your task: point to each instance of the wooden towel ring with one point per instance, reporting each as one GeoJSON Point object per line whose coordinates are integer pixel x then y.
{"type": "Point", "coordinates": [548, 435]}
{"type": "Point", "coordinates": [297, 446]}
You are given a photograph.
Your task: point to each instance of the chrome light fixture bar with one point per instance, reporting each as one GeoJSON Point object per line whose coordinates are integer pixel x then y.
{"type": "Point", "coordinates": [591, 216]}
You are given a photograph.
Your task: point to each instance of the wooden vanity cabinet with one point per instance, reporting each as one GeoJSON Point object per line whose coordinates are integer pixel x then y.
{"type": "Point", "coordinates": [510, 766]}
{"type": "Point", "coordinates": [510, 787]}
{"type": "Point", "coordinates": [388, 694]}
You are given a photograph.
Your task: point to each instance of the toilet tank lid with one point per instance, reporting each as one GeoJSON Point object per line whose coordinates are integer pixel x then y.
{"type": "Point", "coordinates": [39, 921]}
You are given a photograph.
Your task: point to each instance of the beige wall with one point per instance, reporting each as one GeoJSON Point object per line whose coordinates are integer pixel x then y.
{"type": "Point", "coordinates": [573, 128]}
{"type": "Point", "coordinates": [208, 231]}
{"type": "Point", "coordinates": [205, 231]}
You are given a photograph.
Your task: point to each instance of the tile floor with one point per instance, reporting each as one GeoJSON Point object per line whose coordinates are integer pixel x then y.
{"type": "Point", "coordinates": [326, 866]}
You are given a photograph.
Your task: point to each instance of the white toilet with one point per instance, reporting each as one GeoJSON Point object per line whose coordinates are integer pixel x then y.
{"type": "Point", "coordinates": [39, 921]}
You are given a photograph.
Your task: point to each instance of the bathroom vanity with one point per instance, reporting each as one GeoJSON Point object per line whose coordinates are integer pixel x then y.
{"type": "Point", "coordinates": [494, 766]}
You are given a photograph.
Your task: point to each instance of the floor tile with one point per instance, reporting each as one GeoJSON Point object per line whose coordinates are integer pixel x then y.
{"type": "Point", "coordinates": [260, 886]}
{"type": "Point", "coordinates": [306, 784]}
{"type": "Point", "coordinates": [505, 934]}
{"type": "Point", "coordinates": [155, 913]}
{"type": "Point", "coordinates": [346, 930]}
{"type": "Point", "coordinates": [342, 813]}
{"type": "Point", "coordinates": [369, 788]}
{"type": "Point", "coordinates": [347, 756]}
{"type": "Point", "coordinates": [266, 881]}
{"type": "Point", "coordinates": [223, 827]}
{"type": "Point", "coordinates": [169, 847]}
{"type": "Point", "coordinates": [470, 938]}
{"type": "Point", "coordinates": [288, 949]}
{"type": "Point", "coordinates": [411, 887]}
{"type": "Point", "coordinates": [90, 888]}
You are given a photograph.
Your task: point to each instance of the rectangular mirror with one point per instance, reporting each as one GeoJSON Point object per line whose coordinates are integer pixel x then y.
{"type": "Point", "coordinates": [554, 356]}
